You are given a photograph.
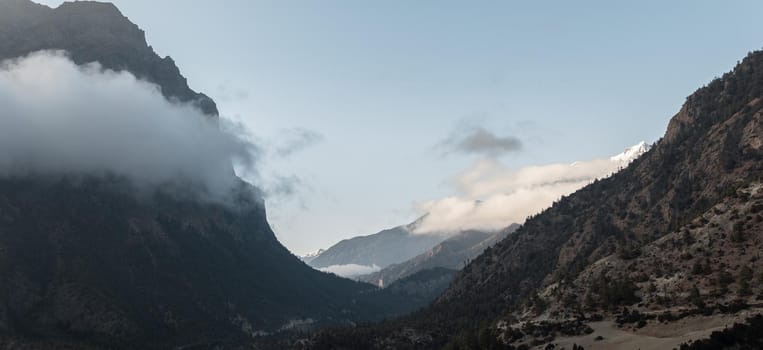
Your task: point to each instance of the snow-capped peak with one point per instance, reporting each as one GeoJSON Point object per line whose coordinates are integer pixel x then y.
{"type": "Point", "coordinates": [631, 153]}
{"type": "Point", "coordinates": [313, 255]}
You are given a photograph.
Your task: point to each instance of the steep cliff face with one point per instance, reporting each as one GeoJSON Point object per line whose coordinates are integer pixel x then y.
{"type": "Point", "coordinates": [92, 32]}
{"type": "Point", "coordinates": [85, 259]}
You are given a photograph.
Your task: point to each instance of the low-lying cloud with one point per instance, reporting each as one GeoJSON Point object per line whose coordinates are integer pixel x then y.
{"type": "Point", "coordinates": [350, 270]}
{"type": "Point", "coordinates": [481, 141]}
{"type": "Point", "coordinates": [60, 118]}
{"type": "Point", "coordinates": [492, 196]}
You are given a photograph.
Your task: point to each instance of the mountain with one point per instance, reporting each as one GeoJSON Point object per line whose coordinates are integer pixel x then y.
{"type": "Point", "coordinates": [88, 263]}
{"type": "Point", "coordinates": [662, 252]}
{"type": "Point", "coordinates": [380, 249]}
{"type": "Point", "coordinates": [452, 254]}
{"type": "Point", "coordinates": [86, 260]}
{"type": "Point", "coordinates": [92, 32]}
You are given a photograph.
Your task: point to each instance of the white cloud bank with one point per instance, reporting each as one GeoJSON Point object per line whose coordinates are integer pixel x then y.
{"type": "Point", "coordinates": [60, 118]}
{"type": "Point", "coordinates": [351, 270]}
{"type": "Point", "coordinates": [493, 197]}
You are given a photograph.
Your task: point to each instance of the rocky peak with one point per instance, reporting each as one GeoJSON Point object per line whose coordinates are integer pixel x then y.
{"type": "Point", "coordinates": [93, 32]}
{"type": "Point", "coordinates": [738, 91]}
{"type": "Point", "coordinates": [101, 21]}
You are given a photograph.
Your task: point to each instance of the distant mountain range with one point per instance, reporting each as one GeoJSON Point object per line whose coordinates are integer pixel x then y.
{"type": "Point", "coordinates": [377, 251]}
{"type": "Point", "coordinates": [453, 254]}
{"type": "Point", "coordinates": [421, 277]}
{"type": "Point", "coordinates": [400, 251]}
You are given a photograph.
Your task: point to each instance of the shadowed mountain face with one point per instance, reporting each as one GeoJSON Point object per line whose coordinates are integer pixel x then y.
{"type": "Point", "coordinates": [685, 196]}
{"type": "Point", "coordinates": [424, 285]}
{"type": "Point", "coordinates": [86, 261]}
{"type": "Point", "coordinates": [92, 32]}
{"type": "Point", "coordinates": [87, 258]}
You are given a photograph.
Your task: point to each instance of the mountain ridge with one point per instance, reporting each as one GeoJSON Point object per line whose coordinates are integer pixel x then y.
{"type": "Point", "coordinates": [381, 249]}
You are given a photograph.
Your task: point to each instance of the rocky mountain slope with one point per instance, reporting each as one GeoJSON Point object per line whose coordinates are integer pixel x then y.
{"type": "Point", "coordinates": [684, 215]}
{"type": "Point", "coordinates": [88, 260]}
{"type": "Point", "coordinates": [87, 263]}
{"type": "Point", "coordinates": [711, 145]}
{"type": "Point", "coordinates": [380, 249]}
{"type": "Point", "coordinates": [452, 254]}
{"type": "Point", "coordinates": [422, 286]}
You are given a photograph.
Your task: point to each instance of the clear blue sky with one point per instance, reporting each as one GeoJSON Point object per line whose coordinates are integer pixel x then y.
{"type": "Point", "coordinates": [385, 82]}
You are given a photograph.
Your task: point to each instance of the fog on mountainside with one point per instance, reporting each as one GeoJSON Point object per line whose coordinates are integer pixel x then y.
{"type": "Point", "coordinates": [104, 244]}
{"type": "Point", "coordinates": [63, 119]}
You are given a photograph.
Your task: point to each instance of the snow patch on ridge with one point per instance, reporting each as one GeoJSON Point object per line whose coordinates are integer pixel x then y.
{"type": "Point", "coordinates": [631, 153]}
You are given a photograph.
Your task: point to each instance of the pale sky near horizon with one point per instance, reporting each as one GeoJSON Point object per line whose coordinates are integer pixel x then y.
{"type": "Point", "coordinates": [368, 91]}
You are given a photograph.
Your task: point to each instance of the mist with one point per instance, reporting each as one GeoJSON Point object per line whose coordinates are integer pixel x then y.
{"type": "Point", "coordinates": [60, 118]}
{"type": "Point", "coordinates": [351, 270]}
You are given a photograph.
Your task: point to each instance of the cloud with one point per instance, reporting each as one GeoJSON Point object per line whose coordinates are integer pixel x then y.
{"type": "Point", "coordinates": [492, 196]}
{"type": "Point", "coordinates": [280, 189]}
{"type": "Point", "coordinates": [284, 186]}
{"type": "Point", "coordinates": [60, 118]}
{"type": "Point", "coordinates": [478, 140]}
{"type": "Point", "coordinates": [351, 270]}
{"type": "Point", "coordinates": [297, 139]}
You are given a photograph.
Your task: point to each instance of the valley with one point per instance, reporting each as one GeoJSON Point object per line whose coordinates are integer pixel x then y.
{"type": "Point", "coordinates": [133, 208]}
